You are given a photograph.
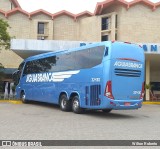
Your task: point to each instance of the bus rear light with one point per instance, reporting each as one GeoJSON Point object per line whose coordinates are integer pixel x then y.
{"type": "Point", "coordinates": [112, 103]}
{"type": "Point", "coordinates": [142, 92]}
{"type": "Point", "coordinates": [108, 90]}
{"type": "Point", "coordinates": [128, 59]}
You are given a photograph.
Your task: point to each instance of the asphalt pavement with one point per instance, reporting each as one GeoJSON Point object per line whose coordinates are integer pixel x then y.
{"type": "Point", "coordinates": [38, 121]}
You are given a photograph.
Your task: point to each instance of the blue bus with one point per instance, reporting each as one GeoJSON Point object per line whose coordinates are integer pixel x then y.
{"type": "Point", "coordinates": [101, 76]}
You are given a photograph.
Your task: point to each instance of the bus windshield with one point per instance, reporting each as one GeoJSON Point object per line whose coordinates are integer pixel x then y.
{"type": "Point", "coordinates": [17, 74]}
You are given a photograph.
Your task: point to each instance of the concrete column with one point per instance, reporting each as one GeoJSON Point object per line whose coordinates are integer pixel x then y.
{"type": "Point", "coordinates": [147, 81]}
{"type": "Point", "coordinates": [113, 26]}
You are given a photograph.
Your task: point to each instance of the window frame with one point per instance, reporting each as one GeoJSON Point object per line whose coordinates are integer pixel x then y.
{"type": "Point", "coordinates": [39, 29]}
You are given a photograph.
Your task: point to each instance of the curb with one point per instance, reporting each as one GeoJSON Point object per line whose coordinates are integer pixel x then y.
{"type": "Point", "coordinates": [11, 101]}
{"type": "Point", "coordinates": [151, 103]}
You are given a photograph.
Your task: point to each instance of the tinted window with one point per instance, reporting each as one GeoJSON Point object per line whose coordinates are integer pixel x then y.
{"type": "Point", "coordinates": [105, 38]}
{"type": "Point", "coordinates": [41, 65]}
{"type": "Point", "coordinates": [89, 57]}
{"type": "Point", "coordinates": [82, 59]}
{"type": "Point", "coordinates": [40, 28]}
{"type": "Point", "coordinates": [65, 62]}
{"type": "Point", "coordinates": [105, 23]}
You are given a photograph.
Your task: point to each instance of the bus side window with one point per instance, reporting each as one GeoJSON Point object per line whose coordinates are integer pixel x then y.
{"type": "Point", "coordinates": [66, 62]}
{"type": "Point", "coordinates": [106, 51]}
{"type": "Point", "coordinates": [90, 57]}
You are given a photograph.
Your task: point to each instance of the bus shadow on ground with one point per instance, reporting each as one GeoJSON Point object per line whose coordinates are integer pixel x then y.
{"type": "Point", "coordinates": [100, 114]}
{"type": "Point", "coordinates": [43, 104]}
{"type": "Point", "coordinates": [93, 113]}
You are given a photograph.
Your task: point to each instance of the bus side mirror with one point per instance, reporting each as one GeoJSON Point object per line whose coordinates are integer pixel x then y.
{"type": "Point", "coordinates": [15, 73]}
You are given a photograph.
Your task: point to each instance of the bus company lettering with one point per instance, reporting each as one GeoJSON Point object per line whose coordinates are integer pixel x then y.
{"type": "Point", "coordinates": [45, 77]}
{"type": "Point", "coordinates": [50, 77]}
{"type": "Point", "coordinates": [127, 64]}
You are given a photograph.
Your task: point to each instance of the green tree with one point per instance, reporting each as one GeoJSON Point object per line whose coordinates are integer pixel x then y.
{"type": "Point", "coordinates": [1, 72]}
{"type": "Point", "coordinates": [4, 35]}
{"type": "Point", "coordinates": [4, 41]}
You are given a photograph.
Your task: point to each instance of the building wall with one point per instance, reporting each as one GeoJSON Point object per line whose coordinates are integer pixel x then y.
{"type": "Point", "coordinates": [9, 59]}
{"type": "Point", "coordinates": [6, 5]}
{"type": "Point", "coordinates": [41, 16]}
{"type": "Point", "coordinates": [139, 24]}
{"type": "Point", "coordinates": [113, 8]}
{"type": "Point", "coordinates": [65, 28]}
{"type": "Point", "coordinates": [20, 26]}
{"type": "Point", "coordinates": [90, 29]}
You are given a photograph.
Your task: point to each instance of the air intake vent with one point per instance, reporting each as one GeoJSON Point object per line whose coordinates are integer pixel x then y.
{"type": "Point", "coordinates": [127, 72]}
{"type": "Point", "coordinates": [95, 92]}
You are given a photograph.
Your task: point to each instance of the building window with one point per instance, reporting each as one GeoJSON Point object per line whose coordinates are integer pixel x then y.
{"type": "Point", "coordinates": [104, 38]}
{"type": "Point", "coordinates": [116, 38]}
{"type": "Point", "coordinates": [116, 25]}
{"type": "Point", "coordinates": [41, 28]}
{"type": "Point", "coordinates": [105, 23]}
{"type": "Point", "coordinates": [11, 6]}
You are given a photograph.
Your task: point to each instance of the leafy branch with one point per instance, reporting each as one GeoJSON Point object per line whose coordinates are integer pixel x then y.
{"type": "Point", "coordinates": [4, 35]}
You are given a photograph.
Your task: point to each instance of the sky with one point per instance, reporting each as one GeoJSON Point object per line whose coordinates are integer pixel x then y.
{"type": "Point", "coordinates": [52, 6]}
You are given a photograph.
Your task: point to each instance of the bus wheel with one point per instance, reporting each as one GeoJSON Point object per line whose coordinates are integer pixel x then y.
{"type": "Point", "coordinates": [65, 104]}
{"type": "Point", "coordinates": [76, 105]}
{"type": "Point", "coordinates": [23, 97]}
{"type": "Point", "coordinates": [107, 110]}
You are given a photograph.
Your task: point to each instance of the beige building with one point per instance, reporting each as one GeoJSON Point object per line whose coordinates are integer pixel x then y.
{"type": "Point", "coordinates": [137, 21]}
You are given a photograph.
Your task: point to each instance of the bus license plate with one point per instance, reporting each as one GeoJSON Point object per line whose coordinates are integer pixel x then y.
{"type": "Point", "coordinates": [127, 103]}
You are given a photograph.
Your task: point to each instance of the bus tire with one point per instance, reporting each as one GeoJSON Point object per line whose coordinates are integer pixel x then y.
{"type": "Point", "coordinates": [23, 97]}
{"type": "Point", "coordinates": [65, 104]}
{"type": "Point", "coordinates": [76, 105]}
{"type": "Point", "coordinates": [107, 110]}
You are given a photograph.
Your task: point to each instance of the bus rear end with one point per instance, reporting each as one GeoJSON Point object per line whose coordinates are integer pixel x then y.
{"type": "Point", "coordinates": [124, 87]}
